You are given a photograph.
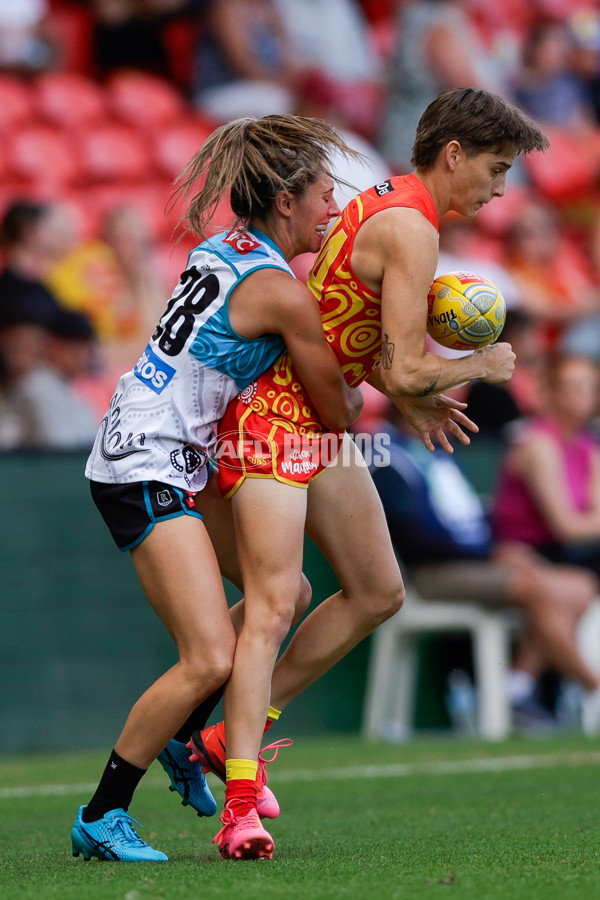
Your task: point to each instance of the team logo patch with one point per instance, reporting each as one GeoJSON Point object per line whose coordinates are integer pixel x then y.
{"type": "Point", "coordinates": [164, 498]}
{"type": "Point", "coordinates": [153, 371]}
{"type": "Point", "coordinates": [384, 187]}
{"type": "Point", "coordinates": [241, 241]}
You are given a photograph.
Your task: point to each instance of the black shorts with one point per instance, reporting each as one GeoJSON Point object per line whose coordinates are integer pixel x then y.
{"type": "Point", "coordinates": [131, 510]}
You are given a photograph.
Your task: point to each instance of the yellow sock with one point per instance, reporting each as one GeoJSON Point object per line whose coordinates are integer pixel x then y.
{"type": "Point", "coordinates": [273, 714]}
{"type": "Point", "coordinates": [241, 768]}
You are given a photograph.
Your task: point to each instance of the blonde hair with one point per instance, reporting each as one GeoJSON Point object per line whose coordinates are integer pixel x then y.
{"type": "Point", "coordinates": [252, 160]}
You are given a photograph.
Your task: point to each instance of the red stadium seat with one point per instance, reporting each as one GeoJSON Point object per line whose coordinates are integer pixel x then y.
{"type": "Point", "coordinates": [568, 170]}
{"type": "Point", "coordinates": [150, 198]}
{"type": "Point", "coordinates": [114, 152]}
{"type": "Point", "coordinates": [16, 104]}
{"type": "Point", "coordinates": [69, 100]}
{"type": "Point", "coordinates": [174, 147]}
{"type": "Point", "coordinates": [144, 100]}
{"type": "Point", "coordinates": [496, 218]}
{"type": "Point", "coordinates": [41, 154]}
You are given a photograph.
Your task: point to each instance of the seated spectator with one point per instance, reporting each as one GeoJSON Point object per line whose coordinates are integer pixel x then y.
{"type": "Point", "coordinates": [114, 281]}
{"type": "Point", "coordinates": [32, 237]}
{"type": "Point", "coordinates": [554, 275]}
{"type": "Point", "coordinates": [437, 48]}
{"type": "Point", "coordinates": [133, 35]}
{"type": "Point", "coordinates": [333, 40]}
{"type": "Point", "coordinates": [22, 345]}
{"type": "Point", "coordinates": [441, 533]}
{"type": "Point", "coordinates": [548, 495]}
{"type": "Point", "coordinates": [584, 31]}
{"type": "Point", "coordinates": [26, 43]}
{"type": "Point", "coordinates": [546, 84]}
{"type": "Point", "coordinates": [245, 61]}
{"type": "Point", "coordinates": [40, 379]}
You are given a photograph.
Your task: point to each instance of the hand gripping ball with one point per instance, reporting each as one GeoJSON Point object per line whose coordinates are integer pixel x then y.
{"type": "Point", "coordinates": [465, 311]}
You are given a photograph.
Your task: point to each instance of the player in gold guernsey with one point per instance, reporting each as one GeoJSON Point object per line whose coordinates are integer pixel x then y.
{"type": "Point", "coordinates": [371, 281]}
{"type": "Point", "coordinates": [351, 315]}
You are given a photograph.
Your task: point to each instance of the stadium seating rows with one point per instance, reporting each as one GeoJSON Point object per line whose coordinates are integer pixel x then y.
{"type": "Point", "coordinates": [65, 136]}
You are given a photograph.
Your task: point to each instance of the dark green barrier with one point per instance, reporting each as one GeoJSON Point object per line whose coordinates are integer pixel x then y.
{"type": "Point", "coordinates": [79, 642]}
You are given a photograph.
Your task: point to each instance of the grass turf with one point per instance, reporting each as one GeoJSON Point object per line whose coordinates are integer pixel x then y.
{"type": "Point", "coordinates": [431, 818]}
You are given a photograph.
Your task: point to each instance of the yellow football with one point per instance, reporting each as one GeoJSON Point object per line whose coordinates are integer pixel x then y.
{"type": "Point", "coordinates": [465, 311]}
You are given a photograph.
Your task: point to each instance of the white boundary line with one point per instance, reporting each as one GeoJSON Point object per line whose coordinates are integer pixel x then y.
{"type": "Point", "coordinates": [395, 770]}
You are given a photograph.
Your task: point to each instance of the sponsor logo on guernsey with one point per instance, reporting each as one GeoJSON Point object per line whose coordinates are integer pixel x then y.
{"type": "Point", "coordinates": [241, 241]}
{"type": "Point", "coordinates": [153, 371]}
{"type": "Point", "coordinates": [384, 187]}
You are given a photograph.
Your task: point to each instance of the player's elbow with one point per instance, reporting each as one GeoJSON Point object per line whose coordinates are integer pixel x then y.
{"type": "Point", "coordinates": [342, 415]}
{"type": "Point", "coordinates": [405, 381]}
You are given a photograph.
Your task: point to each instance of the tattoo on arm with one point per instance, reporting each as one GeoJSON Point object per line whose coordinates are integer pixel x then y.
{"type": "Point", "coordinates": [387, 352]}
{"type": "Point", "coordinates": [430, 389]}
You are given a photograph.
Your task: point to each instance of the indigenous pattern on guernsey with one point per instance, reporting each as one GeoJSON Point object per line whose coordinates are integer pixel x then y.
{"type": "Point", "coordinates": [160, 425]}
{"type": "Point", "coordinates": [350, 311]}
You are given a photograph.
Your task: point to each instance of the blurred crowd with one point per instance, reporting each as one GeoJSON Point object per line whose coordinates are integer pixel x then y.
{"type": "Point", "coordinates": [103, 102]}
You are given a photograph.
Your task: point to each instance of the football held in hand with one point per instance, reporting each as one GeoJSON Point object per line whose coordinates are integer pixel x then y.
{"type": "Point", "coordinates": [465, 311]}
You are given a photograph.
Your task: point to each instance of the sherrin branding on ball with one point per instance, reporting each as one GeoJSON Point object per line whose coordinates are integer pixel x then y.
{"type": "Point", "coordinates": [465, 311]}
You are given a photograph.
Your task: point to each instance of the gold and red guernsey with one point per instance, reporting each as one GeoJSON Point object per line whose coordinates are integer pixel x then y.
{"type": "Point", "coordinates": [350, 311]}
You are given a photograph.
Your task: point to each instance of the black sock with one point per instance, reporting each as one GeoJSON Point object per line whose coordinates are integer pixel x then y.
{"type": "Point", "coordinates": [115, 790]}
{"type": "Point", "coordinates": [199, 717]}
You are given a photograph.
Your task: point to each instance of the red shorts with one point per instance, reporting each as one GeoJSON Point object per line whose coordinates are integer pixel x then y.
{"type": "Point", "coordinates": [249, 446]}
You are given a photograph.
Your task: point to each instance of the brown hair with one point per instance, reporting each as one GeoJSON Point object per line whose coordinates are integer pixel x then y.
{"type": "Point", "coordinates": [482, 122]}
{"type": "Point", "coordinates": [253, 159]}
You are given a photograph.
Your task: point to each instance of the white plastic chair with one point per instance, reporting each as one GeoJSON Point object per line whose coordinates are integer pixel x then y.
{"type": "Point", "coordinates": [391, 677]}
{"type": "Point", "coordinates": [390, 694]}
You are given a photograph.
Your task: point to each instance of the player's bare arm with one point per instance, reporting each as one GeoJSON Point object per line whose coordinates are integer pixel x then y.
{"type": "Point", "coordinates": [433, 417]}
{"type": "Point", "coordinates": [402, 246]}
{"type": "Point", "coordinates": [274, 302]}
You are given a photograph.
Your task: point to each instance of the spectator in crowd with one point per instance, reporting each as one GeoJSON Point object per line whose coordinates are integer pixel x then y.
{"type": "Point", "coordinates": [332, 40]}
{"type": "Point", "coordinates": [22, 345]}
{"type": "Point", "coordinates": [546, 84]}
{"type": "Point", "coordinates": [42, 406]}
{"type": "Point", "coordinates": [132, 34]}
{"type": "Point", "coordinates": [496, 408]}
{"type": "Point", "coordinates": [245, 61]}
{"type": "Point", "coordinates": [584, 31]}
{"type": "Point", "coordinates": [440, 530]}
{"type": "Point", "coordinates": [555, 278]}
{"type": "Point", "coordinates": [114, 280]}
{"type": "Point", "coordinates": [548, 495]}
{"type": "Point", "coordinates": [32, 237]}
{"type": "Point", "coordinates": [436, 49]}
{"type": "Point", "coordinates": [26, 43]}
{"type": "Point", "coordinates": [60, 418]}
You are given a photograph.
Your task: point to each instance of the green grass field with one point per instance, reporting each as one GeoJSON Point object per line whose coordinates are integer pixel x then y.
{"type": "Point", "coordinates": [434, 818]}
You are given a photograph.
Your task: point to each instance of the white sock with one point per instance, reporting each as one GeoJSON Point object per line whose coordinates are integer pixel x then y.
{"type": "Point", "coordinates": [520, 685]}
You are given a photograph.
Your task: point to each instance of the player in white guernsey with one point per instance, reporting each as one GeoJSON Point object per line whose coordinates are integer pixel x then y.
{"type": "Point", "coordinates": [161, 422]}
{"type": "Point", "coordinates": [235, 307]}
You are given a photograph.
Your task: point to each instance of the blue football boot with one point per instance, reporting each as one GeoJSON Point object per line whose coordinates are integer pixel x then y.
{"type": "Point", "coordinates": [113, 838]}
{"type": "Point", "coordinates": [187, 778]}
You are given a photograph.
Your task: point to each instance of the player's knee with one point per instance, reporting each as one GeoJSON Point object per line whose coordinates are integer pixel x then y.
{"type": "Point", "coordinates": [389, 603]}
{"type": "Point", "coordinates": [281, 620]}
{"type": "Point", "coordinates": [396, 600]}
{"type": "Point", "coordinates": [209, 670]}
{"type": "Point", "coordinates": [303, 599]}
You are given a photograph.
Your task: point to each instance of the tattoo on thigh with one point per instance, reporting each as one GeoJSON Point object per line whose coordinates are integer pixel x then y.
{"type": "Point", "coordinates": [387, 352]}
